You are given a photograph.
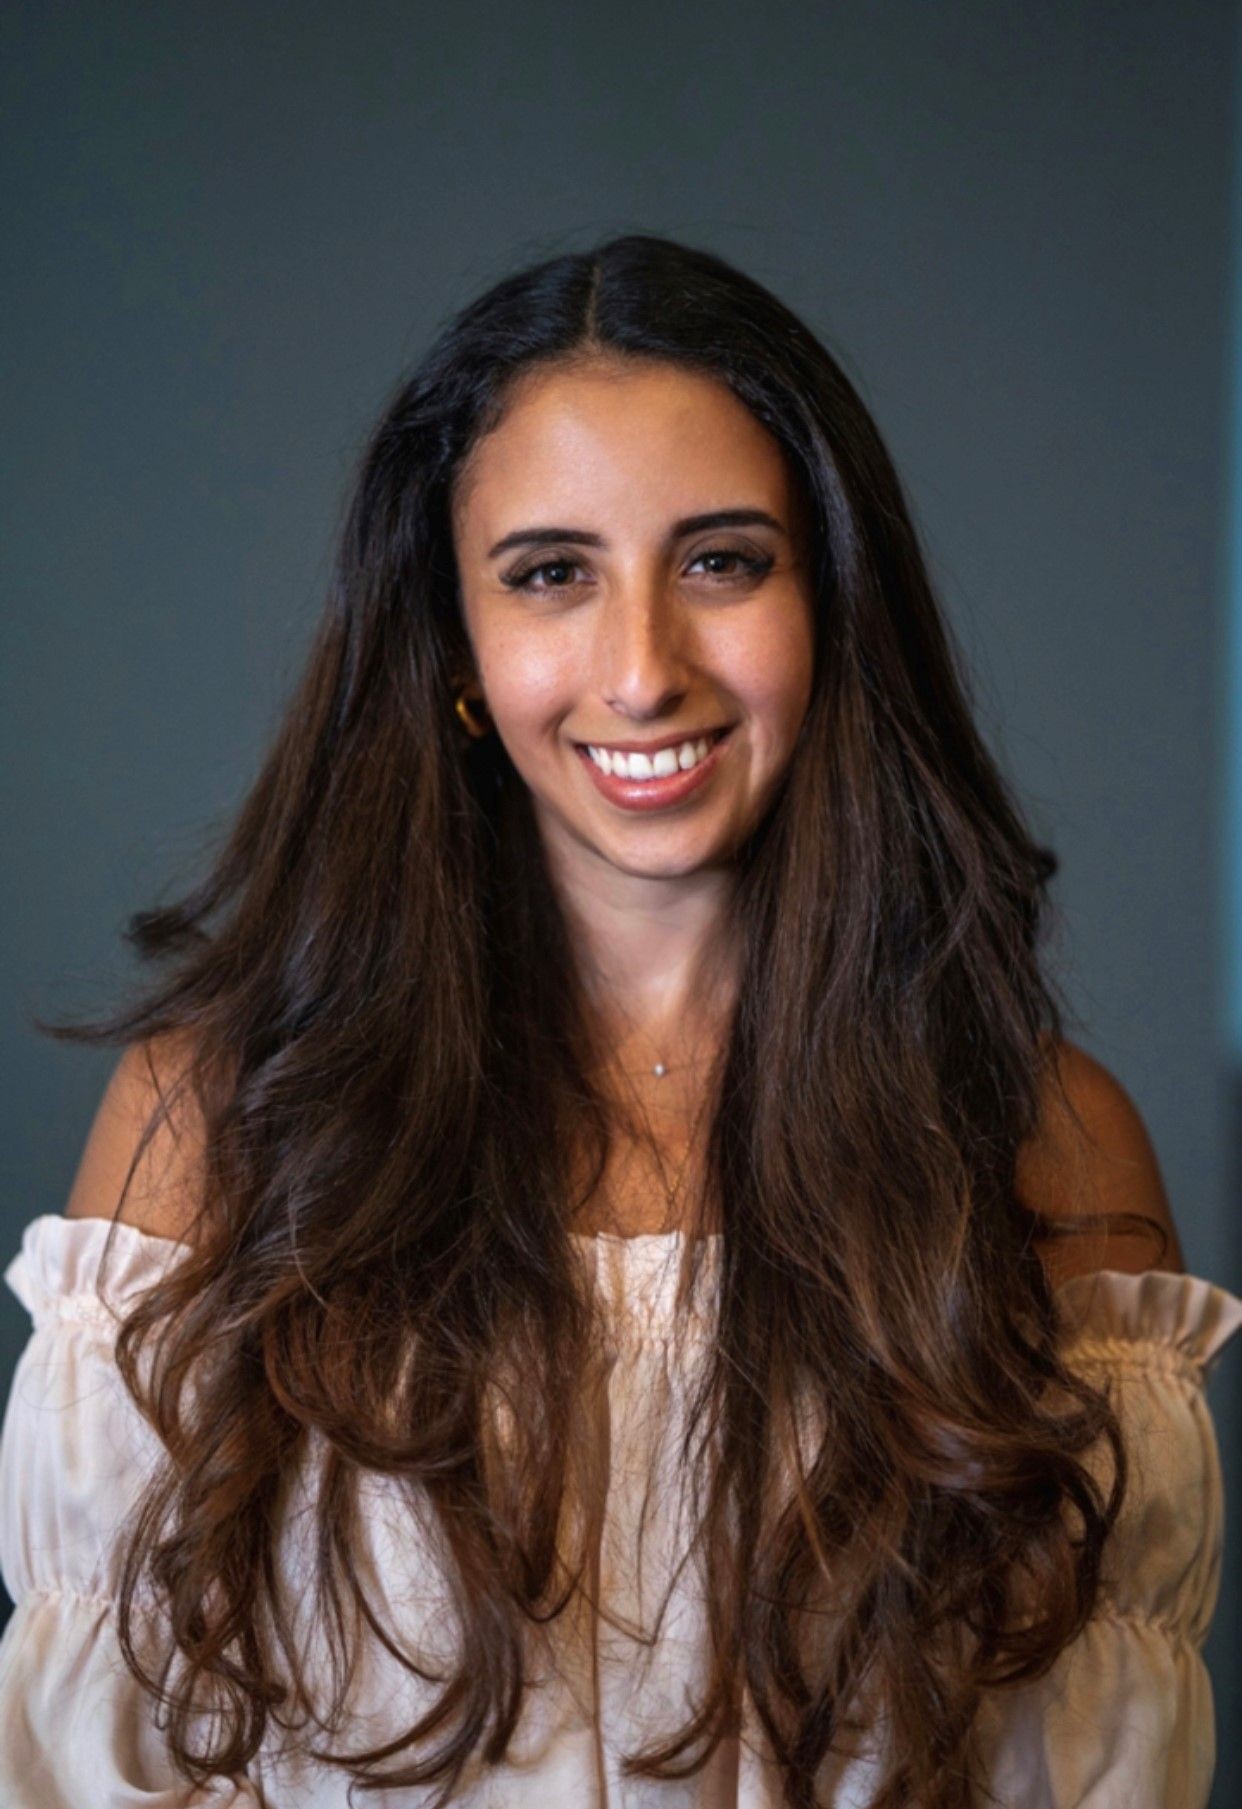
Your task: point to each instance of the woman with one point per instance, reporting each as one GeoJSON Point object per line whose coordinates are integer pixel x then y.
{"type": "Point", "coordinates": [623, 1291]}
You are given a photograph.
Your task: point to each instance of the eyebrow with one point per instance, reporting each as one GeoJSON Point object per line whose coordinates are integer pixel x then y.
{"type": "Point", "coordinates": [689, 524]}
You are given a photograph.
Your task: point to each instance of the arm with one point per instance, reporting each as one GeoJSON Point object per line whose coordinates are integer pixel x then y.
{"type": "Point", "coordinates": [163, 1193]}
{"type": "Point", "coordinates": [1092, 1155]}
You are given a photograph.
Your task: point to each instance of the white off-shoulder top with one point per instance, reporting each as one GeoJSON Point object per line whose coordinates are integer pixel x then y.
{"type": "Point", "coordinates": [1124, 1721]}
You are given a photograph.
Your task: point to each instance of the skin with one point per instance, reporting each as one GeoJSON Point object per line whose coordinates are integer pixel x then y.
{"type": "Point", "coordinates": [631, 640]}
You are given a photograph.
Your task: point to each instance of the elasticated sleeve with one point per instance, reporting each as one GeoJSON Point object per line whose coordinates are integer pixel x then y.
{"type": "Point", "coordinates": [1125, 1719]}
{"type": "Point", "coordinates": [76, 1728]}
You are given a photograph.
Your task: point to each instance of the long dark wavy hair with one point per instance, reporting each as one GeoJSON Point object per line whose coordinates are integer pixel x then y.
{"type": "Point", "coordinates": [382, 1033]}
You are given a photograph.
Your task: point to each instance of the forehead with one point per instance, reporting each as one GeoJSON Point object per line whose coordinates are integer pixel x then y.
{"type": "Point", "coordinates": [646, 438]}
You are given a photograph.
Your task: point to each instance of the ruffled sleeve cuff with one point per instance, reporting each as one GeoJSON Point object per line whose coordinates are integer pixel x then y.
{"type": "Point", "coordinates": [56, 1272]}
{"type": "Point", "coordinates": [1111, 1313]}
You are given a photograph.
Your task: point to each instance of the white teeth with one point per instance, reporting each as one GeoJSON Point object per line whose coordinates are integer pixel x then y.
{"type": "Point", "coordinates": [647, 766]}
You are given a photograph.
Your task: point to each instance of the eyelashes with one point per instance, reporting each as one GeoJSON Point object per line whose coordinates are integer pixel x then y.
{"type": "Point", "coordinates": [752, 567]}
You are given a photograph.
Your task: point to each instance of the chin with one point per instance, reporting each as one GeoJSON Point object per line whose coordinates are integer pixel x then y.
{"type": "Point", "coordinates": [672, 864]}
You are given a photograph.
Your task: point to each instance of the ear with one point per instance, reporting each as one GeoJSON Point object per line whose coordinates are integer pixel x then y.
{"type": "Point", "coordinates": [1092, 1154]}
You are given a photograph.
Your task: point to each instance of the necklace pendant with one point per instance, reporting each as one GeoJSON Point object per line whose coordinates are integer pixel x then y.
{"type": "Point", "coordinates": [659, 1070]}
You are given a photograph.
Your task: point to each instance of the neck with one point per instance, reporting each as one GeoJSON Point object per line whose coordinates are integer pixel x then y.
{"type": "Point", "coordinates": [652, 951]}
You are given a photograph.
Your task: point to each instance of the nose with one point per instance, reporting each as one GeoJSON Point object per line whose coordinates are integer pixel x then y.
{"type": "Point", "coordinates": [641, 653]}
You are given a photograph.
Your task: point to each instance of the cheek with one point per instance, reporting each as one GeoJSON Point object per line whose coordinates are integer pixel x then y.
{"type": "Point", "coordinates": [527, 679]}
{"type": "Point", "coordinates": [769, 667]}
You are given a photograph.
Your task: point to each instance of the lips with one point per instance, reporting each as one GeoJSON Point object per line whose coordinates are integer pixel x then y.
{"type": "Point", "coordinates": [656, 794]}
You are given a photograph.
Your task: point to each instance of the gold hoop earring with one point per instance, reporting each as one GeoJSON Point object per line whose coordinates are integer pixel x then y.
{"type": "Point", "coordinates": [474, 725]}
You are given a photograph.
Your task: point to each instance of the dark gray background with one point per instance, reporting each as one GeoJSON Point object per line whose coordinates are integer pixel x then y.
{"type": "Point", "coordinates": [228, 229]}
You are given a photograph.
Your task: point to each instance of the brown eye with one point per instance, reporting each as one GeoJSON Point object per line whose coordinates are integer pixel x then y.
{"type": "Point", "coordinates": [522, 580]}
{"type": "Point", "coordinates": [748, 565]}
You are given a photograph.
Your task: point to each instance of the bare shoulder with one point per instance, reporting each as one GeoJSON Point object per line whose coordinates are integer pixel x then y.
{"type": "Point", "coordinates": [1092, 1154]}
{"type": "Point", "coordinates": [163, 1192]}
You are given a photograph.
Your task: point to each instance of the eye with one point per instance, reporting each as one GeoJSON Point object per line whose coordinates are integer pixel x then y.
{"type": "Point", "coordinates": [751, 565]}
{"type": "Point", "coordinates": [522, 580]}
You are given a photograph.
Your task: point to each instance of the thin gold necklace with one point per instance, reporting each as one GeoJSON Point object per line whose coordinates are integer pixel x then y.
{"type": "Point", "coordinates": [659, 1067]}
{"type": "Point", "coordinates": [671, 1194]}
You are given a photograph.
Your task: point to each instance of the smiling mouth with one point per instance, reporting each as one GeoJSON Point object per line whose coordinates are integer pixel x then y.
{"type": "Point", "coordinates": [658, 763]}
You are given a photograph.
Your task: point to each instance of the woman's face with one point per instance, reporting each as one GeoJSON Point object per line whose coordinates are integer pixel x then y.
{"type": "Point", "coordinates": [607, 612]}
